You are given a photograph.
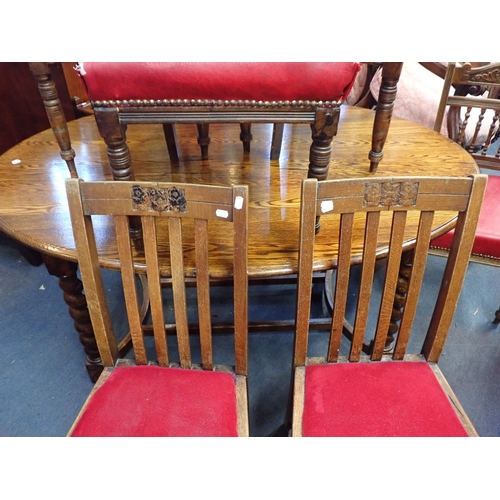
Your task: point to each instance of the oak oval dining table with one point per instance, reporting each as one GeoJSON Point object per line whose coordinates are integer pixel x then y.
{"type": "Point", "coordinates": [34, 210]}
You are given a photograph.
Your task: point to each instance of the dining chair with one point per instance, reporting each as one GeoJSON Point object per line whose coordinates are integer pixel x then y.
{"type": "Point", "coordinates": [168, 388]}
{"type": "Point", "coordinates": [472, 118]}
{"type": "Point", "coordinates": [338, 390]}
{"type": "Point", "coordinates": [245, 93]}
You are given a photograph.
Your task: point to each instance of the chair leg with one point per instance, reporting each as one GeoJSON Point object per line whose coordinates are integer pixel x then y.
{"type": "Point", "coordinates": [55, 113]}
{"type": "Point", "coordinates": [383, 114]}
{"type": "Point", "coordinates": [277, 140]}
{"type": "Point", "coordinates": [113, 133]}
{"type": "Point", "coordinates": [246, 136]}
{"type": "Point", "coordinates": [171, 140]}
{"type": "Point", "coordinates": [203, 139]}
{"type": "Point", "coordinates": [496, 321]}
{"type": "Point", "coordinates": [323, 130]}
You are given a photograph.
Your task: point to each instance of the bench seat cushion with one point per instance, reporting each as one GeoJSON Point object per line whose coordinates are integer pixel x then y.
{"type": "Point", "coordinates": [267, 81]}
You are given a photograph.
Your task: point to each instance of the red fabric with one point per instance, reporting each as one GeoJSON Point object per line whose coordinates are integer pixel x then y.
{"type": "Point", "coordinates": [224, 80]}
{"type": "Point", "coordinates": [154, 401]}
{"type": "Point", "coordinates": [377, 399]}
{"type": "Point", "coordinates": [487, 240]}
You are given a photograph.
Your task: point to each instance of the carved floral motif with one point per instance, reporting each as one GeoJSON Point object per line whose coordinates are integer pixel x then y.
{"type": "Point", "coordinates": [492, 76]}
{"type": "Point", "coordinates": [158, 199]}
{"type": "Point", "coordinates": [390, 194]}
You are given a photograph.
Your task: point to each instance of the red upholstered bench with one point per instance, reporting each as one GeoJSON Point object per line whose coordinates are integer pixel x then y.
{"type": "Point", "coordinates": [203, 93]}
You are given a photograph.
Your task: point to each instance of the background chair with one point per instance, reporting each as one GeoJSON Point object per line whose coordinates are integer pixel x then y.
{"type": "Point", "coordinates": [369, 396]}
{"type": "Point", "coordinates": [159, 394]}
{"type": "Point", "coordinates": [472, 116]}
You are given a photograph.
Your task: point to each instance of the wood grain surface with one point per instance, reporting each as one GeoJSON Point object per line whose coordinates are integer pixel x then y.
{"type": "Point", "coordinates": [34, 210]}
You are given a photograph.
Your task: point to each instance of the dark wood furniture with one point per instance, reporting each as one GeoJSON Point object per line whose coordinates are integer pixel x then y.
{"type": "Point", "coordinates": [205, 93]}
{"type": "Point", "coordinates": [473, 119]}
{"type": "Point", "coordinates": [166, 392]}
{"type": "Point", "coordinates": [370, 396]}
{"type": "Point", "coordinates": [34, 211]}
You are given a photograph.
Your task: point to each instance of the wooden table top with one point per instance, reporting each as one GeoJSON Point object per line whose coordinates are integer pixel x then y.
{"type": "Point", "coordinates": [34, 211]}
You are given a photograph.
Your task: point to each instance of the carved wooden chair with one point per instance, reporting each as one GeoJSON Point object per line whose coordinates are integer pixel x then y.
{"type": "Point", "coordinates": [204, 93]}
{"type": "Point", "coordinates": [472, 120]}
{"type": "Point", "coordinates": [347, 393]}
{"type": "Point", "coordinates": [162, 393]}
{"type": "Point", "coordinates": [245, 93]}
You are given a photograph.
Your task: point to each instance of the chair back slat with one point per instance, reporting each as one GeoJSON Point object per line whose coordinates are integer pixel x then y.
{"type": "Point", "coordinates": [401, 198]}
{"type": "Point", "coordinates": [391, 282]}
{"type": "Point", "coordinates": [132, 302]}
{"type": "Point", "coordinates": [179, 291]}
{"type": "Point", "coordinates": [341, 284]}
{"type": "Point", "coordinates": [203, 289]}
{"type": "Point", "coordinates": [415, 283]}
{"type": "Point", "coordinates": [177, 232]}
{"type": "Point", "coordinates": [366, 285]}
{"type": "Point", "coordinates": [154, 286]}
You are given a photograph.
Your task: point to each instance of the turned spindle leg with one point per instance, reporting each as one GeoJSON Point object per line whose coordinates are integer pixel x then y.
{"type": "Point", "coordinates": [55, 113]}
{"type": "Point", "coordinates": [113, 133]}
{"type": "Point", "coordinates": [383, 114]}
{"type": "Point", "coordinates": [323, 130]}
{"type": "Point", "coordinates": [405, 269]}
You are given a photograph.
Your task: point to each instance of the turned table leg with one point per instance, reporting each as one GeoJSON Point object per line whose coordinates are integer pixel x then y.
{"type": "Point", "coordinates": [72, 292]}
{"type": "Point", "coordinates": [400, 297]}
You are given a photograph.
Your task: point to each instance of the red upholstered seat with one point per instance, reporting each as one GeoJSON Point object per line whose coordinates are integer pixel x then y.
{"type": "Point", "coordinates": [377, 399]}
{"type": "Point", "coordinates": [321, 81]}
{"type": "Point", "coordinates": [155, 401]}
{"type": "Point", "coordinates": [487, 240]}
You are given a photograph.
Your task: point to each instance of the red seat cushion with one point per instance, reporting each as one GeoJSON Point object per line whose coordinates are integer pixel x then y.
{"type": "Point", "coordinates": [156, 401]}
{"type": "Point", "coordinates": [377, 399]}
{"type": "Point", "coordinates": [487, 240]}
{"type": "Point", "coordinates": [221, 81]}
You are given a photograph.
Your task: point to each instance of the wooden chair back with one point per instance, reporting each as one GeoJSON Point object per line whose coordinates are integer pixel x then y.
{"type": "Point", "coordinates": [477, 127]}
{"type": "Point", "coordinates": [372, 199]}
{"type": "Point", "coordinates": [182, 214]}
